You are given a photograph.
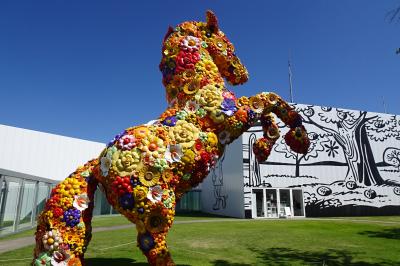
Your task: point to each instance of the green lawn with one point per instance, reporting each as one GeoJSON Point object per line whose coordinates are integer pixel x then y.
{"type": "Point", "coordinates": [253, 242]}
{"type": "Point", "coordinates": [114, 220]}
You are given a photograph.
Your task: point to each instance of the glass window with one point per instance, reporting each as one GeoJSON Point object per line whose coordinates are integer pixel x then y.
{"type": "Point", "coordinates": [9, 206]}
{"type": "Point", "coordinates": [43, 194]}
{"type": "Point", "coordinates": [28, 198]}
{"type": "Point", "coordinates": [271, 203]}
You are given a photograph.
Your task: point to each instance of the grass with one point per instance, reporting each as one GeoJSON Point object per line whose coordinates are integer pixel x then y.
{"type": "Point", "coordinates": [253, 242]}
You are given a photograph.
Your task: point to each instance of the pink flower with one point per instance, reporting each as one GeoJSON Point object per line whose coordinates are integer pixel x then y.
{"type": "Point", "coordinates": [127, 142]}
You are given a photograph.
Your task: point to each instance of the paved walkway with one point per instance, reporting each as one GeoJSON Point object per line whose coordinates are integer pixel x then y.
{"type": "Point", "coordinates": [11, 244]}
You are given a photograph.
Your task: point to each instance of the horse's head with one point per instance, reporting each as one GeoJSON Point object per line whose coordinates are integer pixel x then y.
{"type": "Point", "coordinates": [222, 51]}
{"type": "Point", "coordinates": [196, 54]}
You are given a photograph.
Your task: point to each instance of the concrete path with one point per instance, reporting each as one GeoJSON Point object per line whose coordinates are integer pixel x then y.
{"type": "Point", "coordinates": [12, 244]}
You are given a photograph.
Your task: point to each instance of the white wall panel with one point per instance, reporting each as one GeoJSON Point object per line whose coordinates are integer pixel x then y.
{"type": "Point", "coordinates": [222, 190]}
{"type": "Point", "coordinates": [42, 154]}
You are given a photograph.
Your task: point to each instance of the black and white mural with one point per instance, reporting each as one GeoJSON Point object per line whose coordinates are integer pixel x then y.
{"type": "Point", "coordinates": [352, 166]}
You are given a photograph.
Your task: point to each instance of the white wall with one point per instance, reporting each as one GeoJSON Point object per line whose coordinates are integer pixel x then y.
{"type": "Point", "coordinates": [222, 190]}
{"type": "Point", "coordinates": [42, 154]}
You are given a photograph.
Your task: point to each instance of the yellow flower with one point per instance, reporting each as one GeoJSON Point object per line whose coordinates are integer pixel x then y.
{"type": "Point", "coordinates": [188, 157]}
{"type": "Point", "coordinates": [140, 193]}
{"type": "Point", "coordinates": [184, 133]}
{"type": "Point", "coordinates": [125, 162]}
{"type": "Point", "coordinates": [207, 66]}
{"type": "Point", "coordinates": [192, 86]}
{"type": "Point", "coordinates": [152, 147]}
{"type": "Point", "coordinates": [149, 177]}
{"type": "Point", "coordinates": [155, 222]}
{"type": "Point", "coordinates": [209, 97]}
{"type": "Point", "coordinates": [212, 139]}
{"type": "Point", "coordinates": [140, 132]}
{"type": "Point", "coordinates": [217, 116]}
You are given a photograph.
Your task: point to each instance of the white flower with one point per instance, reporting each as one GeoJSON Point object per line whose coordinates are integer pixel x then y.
{"type": "Point", "coordinates": [191, 106]}
{"type": "Point", "coordinates": [173, 153]}
{"type": "Point", "coordinates": [155, 194]}
{"type": "Point", "coordinates": [190, 44]}
{"type": "Point", "coordinates": [81, 202]}
{"type": "Point", "coordinates": [51, 240]}
{"type": "Point", "coordinates": [105, 164]}
{"type": "Point", "coordinates": [60, 258]}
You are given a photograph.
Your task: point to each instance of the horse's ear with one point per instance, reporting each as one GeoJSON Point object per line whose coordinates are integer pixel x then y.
{"type": "Point", "coordinates": [212, 21]}
{"type": "Point", "coordinates": [170, 30]}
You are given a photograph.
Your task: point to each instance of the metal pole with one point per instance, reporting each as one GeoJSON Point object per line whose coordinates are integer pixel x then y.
{"type": "Point", "coordinates": [384, 105]}
{"type": "Point", "coordinates": [290, 82]}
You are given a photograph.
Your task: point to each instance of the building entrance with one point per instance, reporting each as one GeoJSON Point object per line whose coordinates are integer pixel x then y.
{"type": "Point", "coordinates": [277, 202]}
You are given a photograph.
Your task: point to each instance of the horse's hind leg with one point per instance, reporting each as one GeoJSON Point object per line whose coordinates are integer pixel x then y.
{"type": "Point", "coordinates": [152, 234]}
{"type": "Point", "coordinates": [64, 226]}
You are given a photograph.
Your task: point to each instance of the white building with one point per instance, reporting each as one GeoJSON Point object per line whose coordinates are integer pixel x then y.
{"type": "Point", "coordinates": [352, 168]}
{"type": "Point", "coordinates": [31, 163]}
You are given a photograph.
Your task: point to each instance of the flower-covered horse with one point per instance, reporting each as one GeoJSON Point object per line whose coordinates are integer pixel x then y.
{"type": "Point", "coordinates": [147, 168]}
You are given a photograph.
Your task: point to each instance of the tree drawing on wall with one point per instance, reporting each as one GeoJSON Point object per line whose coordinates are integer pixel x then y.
{"type": "Point", "coordinates": [391, 156]}
{"type": "Point", "coordinates": [353, 131]}
{"type": "Point", "coordinates": [316, 146]}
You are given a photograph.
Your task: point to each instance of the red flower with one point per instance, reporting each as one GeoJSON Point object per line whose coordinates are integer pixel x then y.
{"type": "Point", "coordinates": [205, 156]}
{"type": "Point", "coordinates": [121, 185]}
{"type": "Point", "coordinates": [186, 60]}
{"type": "Point", "coordinates": [57, 212]}
{"type": "Point", "coordinates": [198, 145]}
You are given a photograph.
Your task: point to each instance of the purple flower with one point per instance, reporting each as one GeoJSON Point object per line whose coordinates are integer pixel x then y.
{"type": "Point", "coordinates": [228, 106]}
{"type": "Point", "coordinates": [169, 121]}
{"type": "Point", "coordinates": [72, 217]}
{"type": "Point", "coordinates": [117, 137]}
{"type": "Point", "coordinates": [126, 201]}
{"type": "Point", "coordinates": [146, 242]}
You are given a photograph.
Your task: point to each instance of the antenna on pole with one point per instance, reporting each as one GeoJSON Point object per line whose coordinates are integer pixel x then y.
{"type": "Point", "coordinates": [290, 79]}
{"type": "Point", "coordinates": [384, 105]}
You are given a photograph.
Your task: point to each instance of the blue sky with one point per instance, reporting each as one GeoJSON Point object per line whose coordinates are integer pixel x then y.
{"type": "Point", "coordinates": [89, 69]}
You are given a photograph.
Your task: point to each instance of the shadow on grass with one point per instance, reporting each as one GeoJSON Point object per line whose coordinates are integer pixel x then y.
{"type": "Point", "coordinates": [391, 233]}
{"type": "Point", "coordinates": [116, 262]}
{"type": "Point", "coordinates": [112, 261]}
{"type": "Point", "coordinates": [287, 256]}
{"type": "Point", "coordinates": [227, 263]}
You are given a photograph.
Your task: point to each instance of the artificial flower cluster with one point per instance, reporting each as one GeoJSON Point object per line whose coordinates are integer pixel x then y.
{"type": "Point", "coordinates": [61, 234]}
{"type": "Point", "coordinates": [145, 169]}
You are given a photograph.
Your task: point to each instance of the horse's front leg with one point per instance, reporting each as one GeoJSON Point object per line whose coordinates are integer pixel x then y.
{"type": "Point", "coordinates": [263, 104]}
{"type": "Point", "coordinates": [263, 146]}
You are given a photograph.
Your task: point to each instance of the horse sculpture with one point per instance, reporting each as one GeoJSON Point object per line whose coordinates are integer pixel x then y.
{"type": "Point", "coordinates": [144, 170]}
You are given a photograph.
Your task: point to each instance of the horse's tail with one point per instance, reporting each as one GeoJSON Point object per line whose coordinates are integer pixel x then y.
{"type": "Point", "coordinates": [64, 226]}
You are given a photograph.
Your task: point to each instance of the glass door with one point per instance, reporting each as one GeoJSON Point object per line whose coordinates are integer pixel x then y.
{"type": "Point", "coordinates": [285, 208]}
{"type": "Point", "coordinates": [298, 205]}
{"type": "Point", "coordinates": [258, 206]}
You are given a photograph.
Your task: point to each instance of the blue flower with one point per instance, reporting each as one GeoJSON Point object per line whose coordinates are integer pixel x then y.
{"type": "Point", "coordinates": [126, 201]}
{"type": "Point", "coordinates": [146, 242]}
{"type": "Point", "coordinates": [228, 106]}
{"type": "Point", "coordinates": [169, 121]}
{"type": "Point", "coordinates": [71, 217]}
